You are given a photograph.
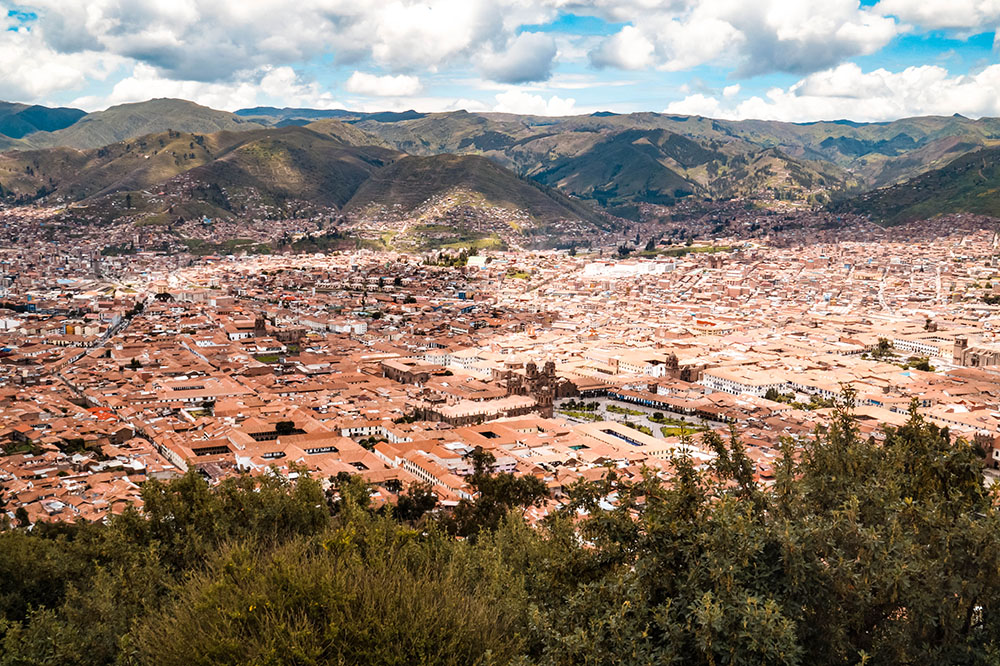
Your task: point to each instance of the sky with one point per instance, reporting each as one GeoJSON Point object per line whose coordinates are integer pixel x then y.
{"type": "Point", "coordinates": [791, 60]}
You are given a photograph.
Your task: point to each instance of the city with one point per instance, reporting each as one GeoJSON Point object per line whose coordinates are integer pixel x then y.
{"type": "Point", "coordinates": [499, 333]}
{"type": "Point", "coordinates": [562, 365]}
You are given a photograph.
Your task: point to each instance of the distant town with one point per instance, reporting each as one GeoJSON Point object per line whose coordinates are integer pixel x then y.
{"type": "Point", "coordinates": [563, 364]}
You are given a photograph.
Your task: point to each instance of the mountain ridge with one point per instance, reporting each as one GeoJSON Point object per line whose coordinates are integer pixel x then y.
{"type": "Point", "coordinates": [617, 161]}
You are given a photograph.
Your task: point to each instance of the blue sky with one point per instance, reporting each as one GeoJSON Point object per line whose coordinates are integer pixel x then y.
{"type": "Point", "coordinates": [795, 60]}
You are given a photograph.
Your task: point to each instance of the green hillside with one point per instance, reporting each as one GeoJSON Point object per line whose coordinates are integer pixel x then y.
{"type": "Point", "coordinates": [279, 164]}
{"type": "Point", "coordinates": [20, 120]}
{"type": "Point", "coordinates": [184, 175]}
{"type": "Point", "coordinates": [412, 181]}
{"type": "Point", "coordinates": [613, 160]}
{"type": "Point", "coordinates": [773, 173]}
{"type": "Point", "coordinates": [294, 163]}
{"type": "Point", "coordinates": [631, 166]}
{"type": "Point", "coordinates": [345, 133]}
{"type": "Point", "coordinates": [571, 152]}
{"type": "Point", "coordinates": [968, 184]}
{"type": "Point", "coordinates": [128, 121]}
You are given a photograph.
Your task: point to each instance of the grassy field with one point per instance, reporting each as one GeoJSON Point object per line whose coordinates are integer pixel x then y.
{"type": "Point", "coordinates": [615, 409]}
{"type": "Point", "coordinates": [492, 242]}
{"type": "Point", "coordinates": [268, 358]}
{"type": "Point", "coordinates": [641, 428]}
{"type": "Point", "coordinates": [200, 247]}
{"type": "Point", "coordinates": [583, 416]}
{"type": "Point", "coordinates": [677, 431]}
{"type": "Point", "coordinates": [682, 251]}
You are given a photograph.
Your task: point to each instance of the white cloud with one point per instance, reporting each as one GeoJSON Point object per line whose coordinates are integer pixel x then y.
{"type": "Point", "coordinates": [798, 36]}
{"type": "Point", "coordinates": [628, 49]}
{"type": "Point", "coordinates": [213, 40]}
{"type": "Point", "coordinates": [188, 39]}
{"type": "Point", "coordinates": [400, 85]}
{"type": "Point", "coordinates": [528, 57]}
{"type": "Point", "coordinates": [699, 104]}
{"type": "Point", "coordinates": [583, 82]}
{"type": "Point", "coordinates": [969, 15]}
{"type": "Point", "coordinates": [425, 104]}
{"type": "Point", "coordinates": [30, 70]}
{"type": "Point", "coordinates": [410, 34]}
{"type": "Point", "coordinates": [218, 41]}
{"type": "Point", "coordinates": [517, 101]}
{"type": "Point", "coordinates": [225, 52]}
{"type": "Point", "coordinates": [848, 92]}
{"type": "Point", "coordinates": [269, 85]}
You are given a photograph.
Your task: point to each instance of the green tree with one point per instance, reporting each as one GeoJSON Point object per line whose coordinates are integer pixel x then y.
{"type": "Point", "coordinates": [418, 500]}
{"type": "Point", "coordinates": [366, 593]}
{"type": "Point", "coordinates": [494, 495]}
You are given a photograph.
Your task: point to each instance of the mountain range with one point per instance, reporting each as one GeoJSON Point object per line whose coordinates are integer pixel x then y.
{"type": "Point", "coordinates": [578, 167]}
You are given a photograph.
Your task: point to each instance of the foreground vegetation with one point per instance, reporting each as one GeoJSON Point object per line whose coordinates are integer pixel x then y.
{"type": "Point", "coordinates": [862, 552]}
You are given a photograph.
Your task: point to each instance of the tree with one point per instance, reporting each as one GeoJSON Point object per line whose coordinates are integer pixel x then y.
{"type": "Point", "coordinates": [418, 500]}
{"type": "Point", "coordinates": [366, 593]}
{"type": "Point", "coordinates": [860, 551]}
{"type": "Point", "coordinates": [883, 349]}
{"type": "Point", "coordinates": [21, 515]}
{"type": "Point", "coordinates": [495, 495]}
{"type": "Point", "coordinates": [284, 428]}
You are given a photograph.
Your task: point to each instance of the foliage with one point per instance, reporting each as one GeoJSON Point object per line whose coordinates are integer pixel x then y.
{"type": "Point", "coordinates": [625, 410]}
{"type": "Point", "coordinates": [418, 500]}
{"type": "Point", "coordinates": [495, 496]}
{"type": "Point", "coordinates": [638, 426]}
{"type": "Point", "coordinates": [921, 363]}
{"type": "Point", "coordinates": [369, 592]}
{"type": "Point", "coordinates": [815, 401]}
{"type": "Point", "coordinates": [862, 551]}
{"type": "Point", "coordinates": [883, 349]}
{"type": "Point", "coordinates": [582, 415]}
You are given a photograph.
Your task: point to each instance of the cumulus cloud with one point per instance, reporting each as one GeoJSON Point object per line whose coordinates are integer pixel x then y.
{"type": "Point", "coordinates": [757, 38]}
{"type": "Point", "coordinates": [265, 86]}
{"type": "Point", "coordinates": [416, 34]}
{"type": "Point", "coordinates": [30, 69]}
{"type": "Point", "coordinates": [528, 57]}
{"type": "Point", "coordinates": [187, 39]}
{"type": "Point", "coordinates": [400, 85]}
{"type": "Point", "coordinates": [231, 52]}
{"type": "Point", "coordinates": [848, 92]}
{"type": "Point", "coordinates": [518, 101]}
{"type": "Point", "coordinates": [964, 15]}
{"type": "Point", "coordinates": [213, 40]}
{"type": "Point", "coordinates": [628, 49]}
{"type": "Point", "coordinates": [426, 104]}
